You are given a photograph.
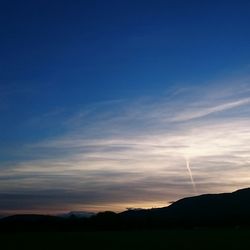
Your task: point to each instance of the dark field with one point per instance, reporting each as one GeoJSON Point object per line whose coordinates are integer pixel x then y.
{"type": "Point", "coordinates": [167, 239]}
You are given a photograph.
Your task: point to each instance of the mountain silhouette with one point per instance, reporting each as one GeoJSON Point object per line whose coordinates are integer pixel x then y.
{"type": "Point", "coordinates": [76, 214]}
{"type": "Point", "coordinates": [208, 210]}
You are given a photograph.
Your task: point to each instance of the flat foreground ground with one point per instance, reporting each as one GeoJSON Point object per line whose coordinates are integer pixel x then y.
{"type": "Point", "coordinates": [164, 239]}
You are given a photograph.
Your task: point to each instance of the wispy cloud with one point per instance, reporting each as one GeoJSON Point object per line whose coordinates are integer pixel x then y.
{"type": "Point", "coordinates": [133, 153]}
{"type": "Point", "coordinates": [201, 112]}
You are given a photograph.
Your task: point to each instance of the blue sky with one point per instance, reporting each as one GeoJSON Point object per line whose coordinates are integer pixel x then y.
{"type": "Point", "coordinates": [104, 104]}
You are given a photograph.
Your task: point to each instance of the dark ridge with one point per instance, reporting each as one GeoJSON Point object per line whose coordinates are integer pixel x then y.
{"type": "Point", "coordinates": [30, 218]}
{"type": "Point", "coordinates": [208, 210]}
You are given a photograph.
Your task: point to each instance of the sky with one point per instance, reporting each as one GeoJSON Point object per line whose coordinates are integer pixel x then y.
{"type": "Point", "coordinates": [108, 105]}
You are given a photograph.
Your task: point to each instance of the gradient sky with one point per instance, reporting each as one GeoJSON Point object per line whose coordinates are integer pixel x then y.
{"type": "Point", "coordinates": [105, 104]}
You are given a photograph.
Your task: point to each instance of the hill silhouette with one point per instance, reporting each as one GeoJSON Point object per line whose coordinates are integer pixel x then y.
{"type": "Point", "coordinates": [226, 209]}
{"type": "Point", "coordinates": [208, 210]}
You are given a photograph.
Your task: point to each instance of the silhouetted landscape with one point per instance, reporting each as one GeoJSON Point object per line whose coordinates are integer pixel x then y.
{"type": "Point", "coordinates": [210, 221]}
{"type": "Point", "coordinates": [230, 210]}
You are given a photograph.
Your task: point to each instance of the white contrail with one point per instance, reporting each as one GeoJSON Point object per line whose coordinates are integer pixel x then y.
{"type": "Point", "coordinates": [191, 176]}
